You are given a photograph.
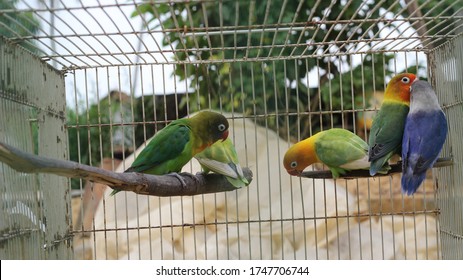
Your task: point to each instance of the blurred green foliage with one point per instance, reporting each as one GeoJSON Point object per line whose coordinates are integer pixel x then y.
{"type": "Point", "coordinates": [103, 130]}
{"type": "Point", "coordinates": [273, 80]}
{"type": "Point", "coordinates": [15, 24]}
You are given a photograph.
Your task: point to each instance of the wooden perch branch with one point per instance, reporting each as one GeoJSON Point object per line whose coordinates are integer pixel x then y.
{"type": "Point", "coordinates": [165, 185]}
{"type": "Point", "coordinates": [395, 168]}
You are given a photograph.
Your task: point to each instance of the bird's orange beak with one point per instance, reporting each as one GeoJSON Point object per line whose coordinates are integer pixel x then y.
{"type": "Point", "coordinates": [225, 135]}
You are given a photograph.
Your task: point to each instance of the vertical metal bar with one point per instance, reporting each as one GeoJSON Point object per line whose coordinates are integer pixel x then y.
{"type": "Point", "coordinates": [445, 72]}
{"type": "Point", "coordinates": [277, 117]}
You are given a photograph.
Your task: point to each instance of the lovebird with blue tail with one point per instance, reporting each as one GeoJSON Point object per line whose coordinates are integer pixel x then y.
{"type": "Point", "coordinates": [424, 135]}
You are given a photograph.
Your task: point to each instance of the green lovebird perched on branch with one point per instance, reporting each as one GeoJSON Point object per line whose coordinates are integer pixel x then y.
{"type": "Point", "coordinates": [177, 143]}
{"type": "Point", "coordinates": [339, 149]}
{"type": "Point", "coordinates": [388, 126]}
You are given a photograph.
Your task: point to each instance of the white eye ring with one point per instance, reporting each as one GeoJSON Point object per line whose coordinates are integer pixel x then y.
{"type": "Point", "coordinates": [405, 80]}
{"type": "Point", "coordinates": [221, 127]}
{"type": "Point", "coordinates": [293, 164]}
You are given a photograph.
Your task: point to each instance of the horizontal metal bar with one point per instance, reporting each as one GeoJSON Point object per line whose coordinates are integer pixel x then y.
{"type": "Point", "coordinates": [352, 216]}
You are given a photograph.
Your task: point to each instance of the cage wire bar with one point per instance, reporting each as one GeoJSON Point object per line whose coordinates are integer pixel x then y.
{"type": "Point", "coordinates": [77, 46]}
{"type": "Point", "coordinates": [278, 77]}
{"type": "Point", "coordinates": [35, 209]}
{"type": "Point", "coordinates": [446, 69]}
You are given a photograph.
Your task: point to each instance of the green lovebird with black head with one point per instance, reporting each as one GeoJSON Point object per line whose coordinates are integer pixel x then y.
{"type": "Point", "coordinates": [177, 143]}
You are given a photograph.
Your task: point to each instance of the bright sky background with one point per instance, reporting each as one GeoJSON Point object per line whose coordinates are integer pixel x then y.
{"type": "Point", "coordinates": [86, 84]}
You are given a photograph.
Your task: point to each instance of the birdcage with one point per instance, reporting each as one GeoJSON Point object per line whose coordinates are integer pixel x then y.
{"type": "Point", "coordinates": [93, 81]}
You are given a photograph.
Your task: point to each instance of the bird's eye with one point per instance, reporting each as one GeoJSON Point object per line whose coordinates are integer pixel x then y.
{"type": "Point", "coordinates": [293, 164]}
{"type": "Point", "coordinates": [405, 80]}
{"type": "Point", "coordinates": [221, 127]}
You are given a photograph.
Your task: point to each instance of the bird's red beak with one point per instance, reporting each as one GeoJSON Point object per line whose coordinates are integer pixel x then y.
{"type": "Point", "coordinates": [225, 135]}
{"type": "Point", "coordinates": [294, 172]}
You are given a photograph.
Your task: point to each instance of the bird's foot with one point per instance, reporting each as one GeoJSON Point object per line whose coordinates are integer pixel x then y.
{"type": "Point", "coordinates": [176, 175]}
{"type": "Point", "coordinates": [191, 176]}
{"type": "Point", "coordinates": [182, 181]}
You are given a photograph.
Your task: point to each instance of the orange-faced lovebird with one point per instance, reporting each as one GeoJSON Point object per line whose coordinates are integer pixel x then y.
{"type": "Point", "coordinates": [337, 148]}
{"type": "Point", "coordinates": [221, 158]}
{"type": "Point", "coordinates": [177, 143]}
{"type": "Point", "coordinates": [386, 132]}
{"type": "Point", "coordinates": [424, 135]}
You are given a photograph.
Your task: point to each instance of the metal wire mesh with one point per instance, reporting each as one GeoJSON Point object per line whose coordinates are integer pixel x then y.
{"type": "Point", "coordinates": [98, 34]}
{"type": "Point", "coordinates": [280, 71]}
{"type": "Point", "coordinates": [35, 212]}
{"type": "Point", "coordinates": [446, 68]}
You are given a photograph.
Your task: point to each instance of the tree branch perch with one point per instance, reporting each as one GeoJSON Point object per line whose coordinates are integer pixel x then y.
{"type": "Point", "coordinates": [395, 168]}
{"type": "Point", "coordinates": [165, 185]}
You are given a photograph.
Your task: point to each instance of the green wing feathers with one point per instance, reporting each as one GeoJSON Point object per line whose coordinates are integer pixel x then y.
{"type": "Point", "coordinates": [221, 158]}
{"type": "Point", "coordinates": [337, 147]}
{"type": "Point", "coordinates": [168, 152]}
{"type": "Point", "coordinates": [342, 150]}
{"type": "Point", "coordinates": [386, 134]}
